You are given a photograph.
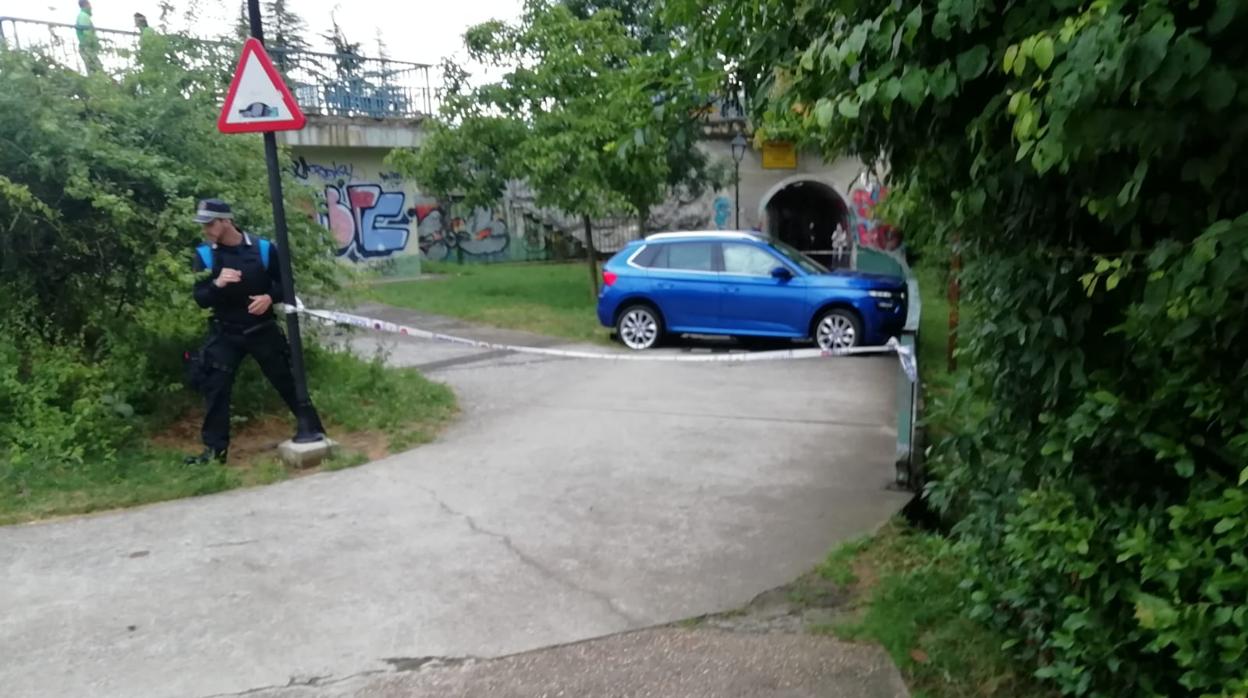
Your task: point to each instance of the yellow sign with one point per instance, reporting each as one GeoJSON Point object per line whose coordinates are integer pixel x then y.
{"type": "Point", "coordinates": [779, 155]}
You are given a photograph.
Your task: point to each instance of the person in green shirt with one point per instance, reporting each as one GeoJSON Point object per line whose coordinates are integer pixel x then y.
{"type": "Point", "coordinates": [140, 23]}
{"type": "Point", "coordinates": [88, 42]}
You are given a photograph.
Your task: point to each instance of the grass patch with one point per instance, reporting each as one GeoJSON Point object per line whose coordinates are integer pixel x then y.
{"type": "Point", "coordinates": [354, 396]}
{"type": "Point", "coordinates": [345, 459]}
{"type": "Point", "coordinates": [905, 595]}
{"type": "Point", "coordinates": [549, 299]}
{"type": "Point", "coordinates": [370, 409]}
{"type": "Point", "coordinates": [838, 567]}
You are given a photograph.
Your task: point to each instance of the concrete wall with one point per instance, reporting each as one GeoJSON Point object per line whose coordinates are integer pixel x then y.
{"type": "Point", "coordinates": [380, 218]}
{"type": "Point", "coordinates": [758, 185]}
{"type": "Point", "coordinates": [341, 132]}
{"type": "Point", "coordinates": [715, 210]}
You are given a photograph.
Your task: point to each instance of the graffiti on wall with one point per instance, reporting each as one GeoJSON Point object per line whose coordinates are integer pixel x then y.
{"type": "Point", "coordinates": [371, 219]}
{"type": "Point", "coordinates": [366, 220]}
{"type": "Point", "coordinates": [443, 236]}
{"type": "Point", "coordinates": [723, 212]}
{"type": "Point", "coordinates": [871, 231]}
{"type": "Point", "coordinates": [302, 169]}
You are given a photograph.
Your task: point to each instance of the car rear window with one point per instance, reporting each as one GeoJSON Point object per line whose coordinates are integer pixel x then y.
{"type": "Point", "coordinates": [646, 257]}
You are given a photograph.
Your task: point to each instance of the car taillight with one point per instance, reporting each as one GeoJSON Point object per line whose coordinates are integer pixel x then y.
{"type": "Point", "coordinates": [609, 277]}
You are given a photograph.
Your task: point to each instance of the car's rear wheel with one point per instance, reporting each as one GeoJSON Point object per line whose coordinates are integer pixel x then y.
{"type": "Point", "coordinates": [639, 327]}
{"type": "Point", "coordinates": [838, 329]}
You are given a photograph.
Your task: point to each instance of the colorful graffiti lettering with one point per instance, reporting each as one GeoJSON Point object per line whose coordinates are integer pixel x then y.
{"type": "Point", "coordinates": [366, 220]}
{"type": "Point", "coordinates": [723, 212]}
{"type": "Point", "coordinates": [481, 233]}
{"type": "Point", "coordinates": [871, 232]}
{"type": "Point", "coordinates": [370, 220]}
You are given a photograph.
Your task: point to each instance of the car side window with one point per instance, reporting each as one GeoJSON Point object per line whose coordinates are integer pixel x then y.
{"type": "Point", "coordinates": [685, 256]}
{"type": "Point", "coordinates": [748, 260]}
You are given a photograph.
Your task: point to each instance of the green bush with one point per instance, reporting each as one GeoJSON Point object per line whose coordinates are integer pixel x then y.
{"type": "Point", "coordinates": [56, 406]}
{"type": "Point", "coordinates": [914, 600]}
{"type": "Point", "coordinates": [72, 433]}
{"type": "Point", "coordinates": [1090, 157]}
{"type": "Point", "coordinates": [98, 181]}
{"type": "Point", "coordinates": [1117, 546]}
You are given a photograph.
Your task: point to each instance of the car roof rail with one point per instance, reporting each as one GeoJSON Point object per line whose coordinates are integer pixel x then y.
{"type": "Point", "coordinates": [719, 234]}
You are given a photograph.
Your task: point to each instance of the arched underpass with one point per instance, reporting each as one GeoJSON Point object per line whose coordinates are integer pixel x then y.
{"type": "Point", "coordinates": [811, 216]}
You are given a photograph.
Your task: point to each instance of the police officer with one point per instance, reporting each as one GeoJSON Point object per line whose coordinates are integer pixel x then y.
{"type": "Point", "coordinates": [242, 284]}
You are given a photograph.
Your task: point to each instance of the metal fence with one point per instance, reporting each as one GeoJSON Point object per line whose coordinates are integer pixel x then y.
{"type": "Point", "coordinates": [326, 84]}
{"type": "Point", "coordinates": [338, 84]}
{"type": "Point", "coordinates": [544, 240]}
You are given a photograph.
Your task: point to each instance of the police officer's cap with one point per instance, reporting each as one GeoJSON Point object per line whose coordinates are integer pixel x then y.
{"type": "Point", "coordinates": [212, 209]}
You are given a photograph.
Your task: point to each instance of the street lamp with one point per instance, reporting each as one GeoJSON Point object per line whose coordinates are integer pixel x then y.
{"type": "Point", "coordinates": [739, 146]}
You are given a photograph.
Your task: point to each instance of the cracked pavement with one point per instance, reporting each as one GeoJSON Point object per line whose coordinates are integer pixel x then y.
{"type": "Point", "coordinates": [542, 569]}
{"type": "Point", "coordinates": [572, 500]}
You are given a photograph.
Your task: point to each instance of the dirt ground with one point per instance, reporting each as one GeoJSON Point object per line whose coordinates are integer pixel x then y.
{"type": "Point", "coordinates": [256, 441]}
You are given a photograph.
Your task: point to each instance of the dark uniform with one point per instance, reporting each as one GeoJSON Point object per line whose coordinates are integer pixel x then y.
{"type": "Point", "coordinates": [234, 333]}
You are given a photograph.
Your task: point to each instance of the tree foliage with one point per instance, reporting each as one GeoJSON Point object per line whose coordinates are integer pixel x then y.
{"type": "Point", "coordinates": [347, 54]}
{"type": "Point", "coordinates": [285, 35]}
{"type": "Point", "coordinates": [98, 181]}
{"type": "Point", "coordinates": [583, 115]}
{"type": "Point", "coordinates": [1091, 158]}
{"type": "Point", "coordinates": [642, 19]}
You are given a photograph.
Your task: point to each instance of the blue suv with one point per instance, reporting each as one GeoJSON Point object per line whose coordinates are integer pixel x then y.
{"type": "Point", "coordinates": [741, 284]}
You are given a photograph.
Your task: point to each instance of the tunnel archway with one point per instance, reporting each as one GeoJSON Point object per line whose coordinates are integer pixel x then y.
{"type": "Point", "coordinates": [811, 216]}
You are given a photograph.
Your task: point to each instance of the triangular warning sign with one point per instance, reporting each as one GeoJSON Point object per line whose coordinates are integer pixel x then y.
{"type": "Point", "coordinates": [258, 99]}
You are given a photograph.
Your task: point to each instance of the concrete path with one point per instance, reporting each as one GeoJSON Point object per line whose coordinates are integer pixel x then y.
{"type": "Point", "coordinates": [659, 663]}
{"type": "Point", "coordinates": [573, 500]}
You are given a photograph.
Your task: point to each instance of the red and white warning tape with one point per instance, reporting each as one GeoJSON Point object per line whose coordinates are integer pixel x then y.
{"type": "Point", "coordinates": [334, 317]}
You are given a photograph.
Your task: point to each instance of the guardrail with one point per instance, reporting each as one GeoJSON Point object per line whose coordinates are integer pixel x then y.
{"type": "Point", "coordinates": [326, 84]}
{"type": "Point", "coordinates": [909, 459]}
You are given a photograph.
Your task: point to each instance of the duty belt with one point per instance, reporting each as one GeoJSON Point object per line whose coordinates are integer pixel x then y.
{"type": "Point", "coordinates": [240, 329]}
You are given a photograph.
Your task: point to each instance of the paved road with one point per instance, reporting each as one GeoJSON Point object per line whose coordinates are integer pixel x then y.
{"type": "Point", "coordinates": [574, 499]}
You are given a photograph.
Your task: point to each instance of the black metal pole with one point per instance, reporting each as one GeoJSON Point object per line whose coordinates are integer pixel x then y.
{"type": "Point", "coordinates": [308, 424]}
{"type": "Point", "coordinates": [736, 194]}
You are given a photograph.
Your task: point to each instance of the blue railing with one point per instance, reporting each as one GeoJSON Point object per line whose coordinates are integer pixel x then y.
{"type": "Point", "coordinates": [326, 84]}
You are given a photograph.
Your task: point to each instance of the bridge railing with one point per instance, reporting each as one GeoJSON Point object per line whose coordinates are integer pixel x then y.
{"type": "Point", "coordinates": [326, 84]}
{"type": "Point", "coordinates": [340, 84]}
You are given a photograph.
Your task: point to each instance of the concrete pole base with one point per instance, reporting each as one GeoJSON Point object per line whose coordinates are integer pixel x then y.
{"type": "Point", "coordinates": [307, 455]}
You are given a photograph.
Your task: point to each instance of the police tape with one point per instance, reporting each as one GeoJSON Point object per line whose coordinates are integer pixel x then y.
{"type": "Point", "coordinates": [333, 317]}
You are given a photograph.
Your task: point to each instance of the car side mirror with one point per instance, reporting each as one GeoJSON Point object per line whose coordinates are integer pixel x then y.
{"type": "Point", "coordinates": [781, 274]}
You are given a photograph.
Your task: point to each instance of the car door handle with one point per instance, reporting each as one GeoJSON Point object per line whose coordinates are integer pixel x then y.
{"type": "Point", "coordinates": [664, 284]}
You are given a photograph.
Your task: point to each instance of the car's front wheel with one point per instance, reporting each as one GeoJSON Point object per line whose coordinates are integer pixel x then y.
{"type": "Point", "coordinates": [838, 329]}
{"type": "Point", "coordinates": [639, 327]}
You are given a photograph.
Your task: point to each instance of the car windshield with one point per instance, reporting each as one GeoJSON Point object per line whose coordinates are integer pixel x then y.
{"type": "Point", "coordinates": [792, 254]}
